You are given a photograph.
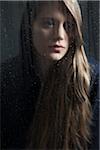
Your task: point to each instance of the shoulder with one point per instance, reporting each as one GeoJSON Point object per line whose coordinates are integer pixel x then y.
{"type": "Point", "coordinates": [94, 97]}
{"type": "Point", "coordinates": [94, 66]}
{"type": "Point", "coordinates": [11, 74]}
{"type": "Point", "coordinates": [94, 83]}
{"type": "Point", "coordinates": [18, 101]}
{"type": "Point", "coordinates": [10, 66]}
{"type": "Point", "coordinates": [18, 88]}
{"type": "Point", "coordinates": [11, 83]}
{"type": "Point", "coordinates": [94, 87]}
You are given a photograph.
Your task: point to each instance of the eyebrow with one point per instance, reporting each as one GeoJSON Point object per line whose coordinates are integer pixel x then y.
{"type": "Point", "coordinates": [53, 18]}
{"type": "Point", "coordinates": [46, 17]}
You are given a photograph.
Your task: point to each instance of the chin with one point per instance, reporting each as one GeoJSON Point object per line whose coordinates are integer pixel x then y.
{"type": "Point", "coordinates": [56, 58]}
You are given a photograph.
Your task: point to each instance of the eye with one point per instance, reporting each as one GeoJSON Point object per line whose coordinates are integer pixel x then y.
{"type": "Point", "coordinates": [68, 26]}
{"type": "Point", "coordinates": [48, 23]}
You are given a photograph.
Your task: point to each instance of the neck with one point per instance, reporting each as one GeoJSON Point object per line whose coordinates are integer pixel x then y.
{"type": "Point", "coordinates": [43, 67]}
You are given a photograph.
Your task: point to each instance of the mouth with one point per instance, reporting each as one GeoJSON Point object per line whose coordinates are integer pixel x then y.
{"type": "Point", "coordinates": [57, 48]}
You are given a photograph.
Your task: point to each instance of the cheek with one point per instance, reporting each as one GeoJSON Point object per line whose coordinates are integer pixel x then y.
{"type": "Point", "coordinates": [36, 40]}
{"type": "Point", "coordinates": [67, 40]}
{"type": "Point", "coordinates": [40, 39]}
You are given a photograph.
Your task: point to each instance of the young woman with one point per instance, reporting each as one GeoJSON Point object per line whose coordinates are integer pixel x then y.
{"type": "Point", "coordinates": [63, 114]}
{"type": "Point", "coordinates": [54, 104]}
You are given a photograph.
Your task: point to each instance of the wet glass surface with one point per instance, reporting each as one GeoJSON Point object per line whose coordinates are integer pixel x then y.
{"type": "Point", "coordinates": [11, 15]}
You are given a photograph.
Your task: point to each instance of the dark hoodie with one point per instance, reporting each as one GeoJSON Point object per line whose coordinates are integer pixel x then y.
{"type": "Point", "coordinates": [19, 92]}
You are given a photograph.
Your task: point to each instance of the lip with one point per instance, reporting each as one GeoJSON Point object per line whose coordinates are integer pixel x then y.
{"type": "Point", "coordinates": [56, 48]}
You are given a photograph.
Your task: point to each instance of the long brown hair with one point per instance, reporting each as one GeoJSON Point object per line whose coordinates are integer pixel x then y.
{"type": "Point", "coordinates": [63, 112]}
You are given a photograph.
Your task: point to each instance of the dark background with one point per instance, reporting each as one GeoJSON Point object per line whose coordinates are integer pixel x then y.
{"type": "Point", "coordinates": [11, 15]}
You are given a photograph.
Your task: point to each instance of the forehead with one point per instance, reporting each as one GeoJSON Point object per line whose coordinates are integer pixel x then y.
{"type": "Point", "coordinates": [50, 7]}
{"type": "Point", "coordinates": [54, 5]}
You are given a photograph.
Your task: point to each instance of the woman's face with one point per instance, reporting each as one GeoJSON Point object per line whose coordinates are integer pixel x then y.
{"type": "Point", "coordinates": [50, 38]}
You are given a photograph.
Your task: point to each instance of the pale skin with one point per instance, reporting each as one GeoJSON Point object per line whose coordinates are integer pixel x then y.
{"type": "Point", "coordinates": [49, 35]}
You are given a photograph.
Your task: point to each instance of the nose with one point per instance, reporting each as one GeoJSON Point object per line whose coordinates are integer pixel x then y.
{"type": "Point", "coordinates": [59, 32]}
